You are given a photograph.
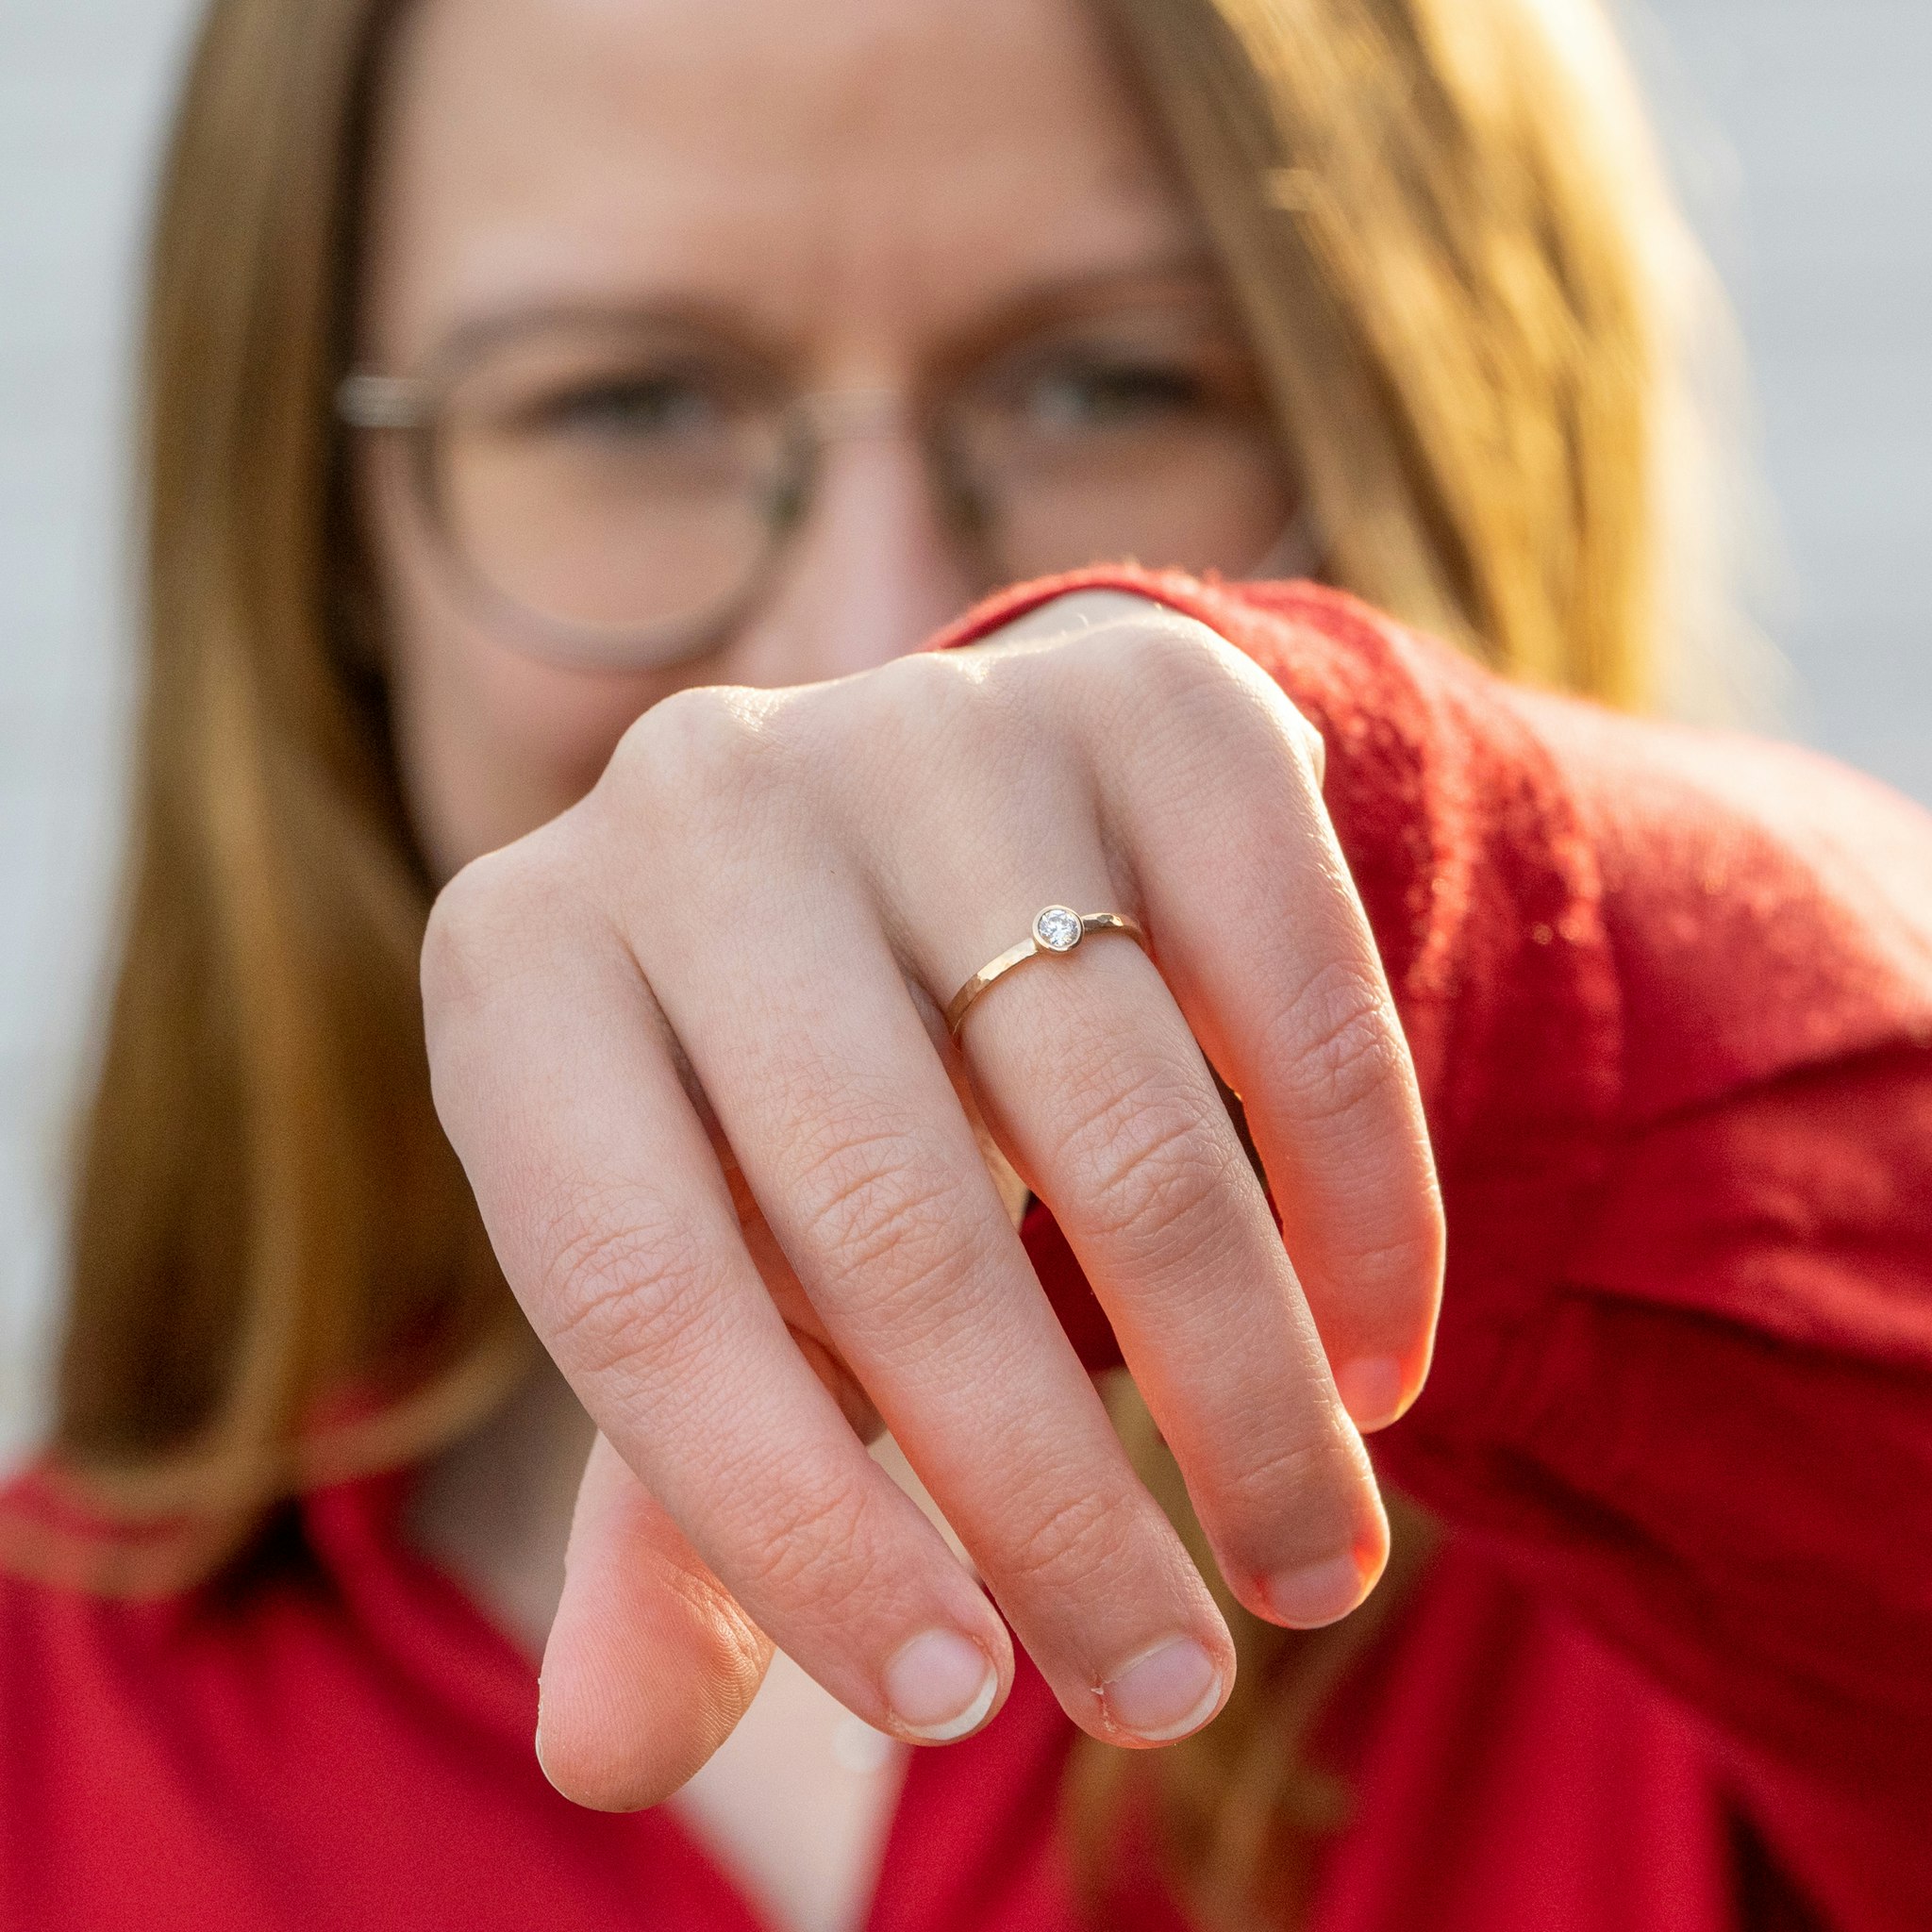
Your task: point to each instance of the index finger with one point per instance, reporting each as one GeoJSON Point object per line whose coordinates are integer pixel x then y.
{"type": "Point", "coordinates": [615, 1226]}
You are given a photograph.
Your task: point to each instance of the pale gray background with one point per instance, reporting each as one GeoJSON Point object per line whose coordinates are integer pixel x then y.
{"type": "Point", "coordinates": [1800, 132]}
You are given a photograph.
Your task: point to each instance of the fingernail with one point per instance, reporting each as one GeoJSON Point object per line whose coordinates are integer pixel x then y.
{"type": "Point", "coordinates": [1307, 1598]}
{"type": "Point", "coordinates": [1165, 1692]}
{"type": "Point", "coordinates": [538, 1743]}
{"type": "Point", "coordinates": [940, 1686]}
{"type": "Point", "coordinates": [1371, 1389]}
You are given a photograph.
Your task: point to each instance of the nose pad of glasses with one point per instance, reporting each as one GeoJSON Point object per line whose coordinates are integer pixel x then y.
{"type": "Point", "coordinates": [824, 417]}
{"type": "Point", "coordinates": [1298, 551]}
{"type": "Point", "coordinates": [965, 500]}
{"type": "Point", "coordinates": [791, 491]}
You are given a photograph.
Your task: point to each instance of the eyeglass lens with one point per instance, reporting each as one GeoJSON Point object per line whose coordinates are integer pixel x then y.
{"type": "Point", "coordinates": [619, 484]}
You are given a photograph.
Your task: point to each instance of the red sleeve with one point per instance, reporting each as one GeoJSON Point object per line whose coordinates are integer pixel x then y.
{"type": "Point", "coordinates": [1670, 996]}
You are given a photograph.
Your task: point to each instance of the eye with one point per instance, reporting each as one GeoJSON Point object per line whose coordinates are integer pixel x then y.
{"type": "Point", "coordinates": [1100, 392]}
{"type": "Point", "coordinates": [642, 406]}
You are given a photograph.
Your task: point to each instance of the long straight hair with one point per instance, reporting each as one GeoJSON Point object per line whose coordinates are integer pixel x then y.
{"type": "Point", "coordinates": [1457, 264]}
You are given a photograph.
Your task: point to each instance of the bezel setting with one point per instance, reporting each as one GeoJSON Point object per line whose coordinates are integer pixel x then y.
{"type": "Point", "coordinates": [1058, 929]}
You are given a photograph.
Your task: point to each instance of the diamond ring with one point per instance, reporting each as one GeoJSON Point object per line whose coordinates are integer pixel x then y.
{"type": "Point", "coordinates": [1055, 929]}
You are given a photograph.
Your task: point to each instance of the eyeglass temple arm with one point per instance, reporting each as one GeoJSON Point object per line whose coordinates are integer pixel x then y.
{"type": "Point", "coordinates": [365, 401]}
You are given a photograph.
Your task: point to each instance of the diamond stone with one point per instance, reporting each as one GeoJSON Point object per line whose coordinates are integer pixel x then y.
{"type": "Point", "coordinates": [1058, 929]}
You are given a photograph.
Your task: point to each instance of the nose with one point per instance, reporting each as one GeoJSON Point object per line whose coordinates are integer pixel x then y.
{"type": "Point", "coordinates": [869, 574]}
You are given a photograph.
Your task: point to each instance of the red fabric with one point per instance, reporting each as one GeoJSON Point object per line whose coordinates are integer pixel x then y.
{"type": "Point", "coordinates": [1670, 996]}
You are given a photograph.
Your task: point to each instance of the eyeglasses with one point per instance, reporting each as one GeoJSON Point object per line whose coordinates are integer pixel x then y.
{"type": "Point", "coordinates": [617, 490]}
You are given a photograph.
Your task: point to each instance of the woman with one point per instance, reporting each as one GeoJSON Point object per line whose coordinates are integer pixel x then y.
{"type": "Point", "coordinates": [564, 421]}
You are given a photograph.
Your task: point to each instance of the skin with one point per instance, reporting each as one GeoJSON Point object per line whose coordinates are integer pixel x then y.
{"type": "Point", "coordinates": [682, 985]}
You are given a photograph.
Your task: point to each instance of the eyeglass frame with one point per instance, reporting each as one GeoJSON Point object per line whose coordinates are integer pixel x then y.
{"type": "Point", "coordinates": [814, 420]}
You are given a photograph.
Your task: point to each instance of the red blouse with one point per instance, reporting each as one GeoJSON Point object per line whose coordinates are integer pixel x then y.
{"type": "Point", "coordinates": [1671, 998]}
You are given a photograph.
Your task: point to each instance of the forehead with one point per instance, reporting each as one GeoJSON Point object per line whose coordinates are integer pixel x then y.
{"type": "Point", "coordinates": [874, 165]}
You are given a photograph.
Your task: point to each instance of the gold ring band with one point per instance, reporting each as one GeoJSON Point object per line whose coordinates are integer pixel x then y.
{"type": "Point", "coordinates": [1056, 929]}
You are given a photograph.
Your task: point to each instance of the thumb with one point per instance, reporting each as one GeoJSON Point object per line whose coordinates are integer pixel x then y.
{"type": "Point", "coordinates": [650, 1663]}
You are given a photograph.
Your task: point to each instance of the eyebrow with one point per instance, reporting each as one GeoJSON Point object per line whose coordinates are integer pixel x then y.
{"type": "Point", "coordinates": [1044, 304]}
{"type": "Point", "coordinates": [1028, 309]}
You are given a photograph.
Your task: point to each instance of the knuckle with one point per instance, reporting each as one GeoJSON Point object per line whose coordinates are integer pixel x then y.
{"type": "Point", "coordinates": [918, 681]}
{"type": "Point", "coordinates": [1174, 661]}
{"type": "Point", "coordinates": [1285, 1476]}
{"type": "Point", "coordinates": [1405, 1269]}
{"type": "Point", "coordinates": [1148, 1163]}
{"type": "Point", "coordinates": [822, 1539]}
{"type": "Point", "coordinates": [1334, 1045]}
{"type": "Point", "coordinates": [1309, 746]}
{"type": "Point", "coordinates": [693, 750]}
{"type": "Point", "coordinates": [470, 931]}
{"type": "Point", "coordinates": [615, 1297]}
{"type": "Point", "coordinates": [1220, 721]}
{"type": "Point", "coordinates": [873, 1206]}
{"type": "Point", "coordinates": [945, 703]}
{"type": "Point", "coordinates": [1191, 674]}
{"type": "Point", "coordinates": [1069, 1539]}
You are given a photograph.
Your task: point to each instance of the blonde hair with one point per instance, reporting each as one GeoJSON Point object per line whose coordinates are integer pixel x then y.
{"type": "Point", "coordinates": [1451, 244]}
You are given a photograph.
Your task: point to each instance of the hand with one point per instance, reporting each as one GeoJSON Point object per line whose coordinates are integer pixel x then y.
{"type": "Point", "coordinates": [686, 1039]}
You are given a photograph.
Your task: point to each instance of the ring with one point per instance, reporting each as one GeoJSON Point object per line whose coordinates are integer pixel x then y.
{"type": "Point", "coordinates": [1055, 929]}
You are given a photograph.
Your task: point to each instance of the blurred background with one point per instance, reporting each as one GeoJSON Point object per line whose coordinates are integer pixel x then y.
{"type": "Point", "coordinates": [1801, 143]}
